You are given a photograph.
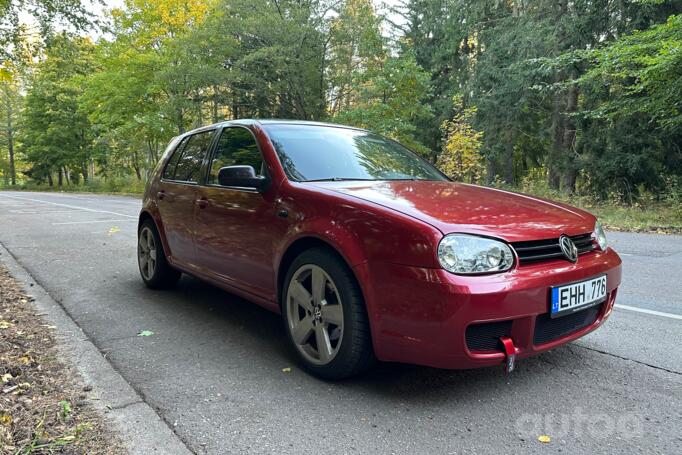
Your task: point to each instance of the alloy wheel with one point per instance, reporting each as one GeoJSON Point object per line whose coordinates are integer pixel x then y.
{"type": "Point", "coordinates": [314, 314]}
{"type": "Point", "coordinates": [146, 253]}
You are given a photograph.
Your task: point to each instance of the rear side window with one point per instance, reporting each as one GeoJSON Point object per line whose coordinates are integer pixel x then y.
{"type": "Point", "coordinates": [236, 146]}
{"type": "Point", "coordinates": [189, 165]}
{"type": "Point", "coordinates": [169, 171]}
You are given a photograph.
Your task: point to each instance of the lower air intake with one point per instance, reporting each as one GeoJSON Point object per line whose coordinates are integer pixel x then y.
{"type": "Point", "coordinates": [486, 336]}
{"type": "Point", "coordinates": [548, 329]}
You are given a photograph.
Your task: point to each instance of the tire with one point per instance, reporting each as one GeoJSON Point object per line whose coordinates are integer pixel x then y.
{"type": "Point", "coordinates": [331, 315]}
{"type": "Point", "coordinates": [155, 270]}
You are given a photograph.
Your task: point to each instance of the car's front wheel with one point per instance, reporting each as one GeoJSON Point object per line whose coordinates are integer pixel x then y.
{"type": "Point", "coordinates": [155, 270]}
{"type": "Point", "coordinates": [325, 316]}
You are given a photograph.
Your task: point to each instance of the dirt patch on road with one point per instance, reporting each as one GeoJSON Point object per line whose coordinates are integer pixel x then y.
{"type": "Point", "coordinates": [44, 405]}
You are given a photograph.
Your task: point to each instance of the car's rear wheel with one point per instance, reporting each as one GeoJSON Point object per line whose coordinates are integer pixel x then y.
{"type": "Point", "coordinates": [325, 316]}
{"type": "Point", "coordinates": [154, 268]}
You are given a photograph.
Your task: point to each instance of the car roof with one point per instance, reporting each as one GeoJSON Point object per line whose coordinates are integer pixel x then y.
{"type": "Point", "coordinates": [251, 121]}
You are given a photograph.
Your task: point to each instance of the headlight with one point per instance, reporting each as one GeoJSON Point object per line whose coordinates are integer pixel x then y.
{"type": "Point", "coordinates": [465, 254]}
{"type": "Point", "coordinates": [600, 236]}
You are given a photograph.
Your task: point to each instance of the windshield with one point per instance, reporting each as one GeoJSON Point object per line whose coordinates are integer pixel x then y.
{"type": "Point", "coordinates": [316, 153]}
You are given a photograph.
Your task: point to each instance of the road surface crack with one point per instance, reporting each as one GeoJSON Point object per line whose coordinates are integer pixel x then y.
{"type": "Point", "coordinates": [124, 405]}
{"type": "Point", "coordinates": [629, 359]}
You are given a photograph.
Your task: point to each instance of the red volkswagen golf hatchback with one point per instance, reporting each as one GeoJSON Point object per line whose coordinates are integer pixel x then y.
{"type": "Point", "coordinates": [369, 252]}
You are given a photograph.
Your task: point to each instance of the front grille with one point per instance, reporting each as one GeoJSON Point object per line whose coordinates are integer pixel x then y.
{"type": "Point", "coordinates": [542, 250]}
{"type": "Point", "coordinates": [486, 336]}
{"type": "Point", "coordinates": [548, 329]}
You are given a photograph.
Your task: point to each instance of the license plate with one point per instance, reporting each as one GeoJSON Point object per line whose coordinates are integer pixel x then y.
{"type": "Point", "coordinates": [577, 296]}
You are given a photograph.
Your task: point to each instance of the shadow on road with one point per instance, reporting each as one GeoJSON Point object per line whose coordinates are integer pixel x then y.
{"type": "Point", "coordinates": [227, 330]}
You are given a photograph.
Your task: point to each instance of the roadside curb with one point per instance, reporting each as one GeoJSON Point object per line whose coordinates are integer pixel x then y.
{"type": "Point", "coordinates": [141, 429]}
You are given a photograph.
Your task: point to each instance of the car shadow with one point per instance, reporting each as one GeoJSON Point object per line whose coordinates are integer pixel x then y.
{"type": "Point", "coordinates": [217, 318]}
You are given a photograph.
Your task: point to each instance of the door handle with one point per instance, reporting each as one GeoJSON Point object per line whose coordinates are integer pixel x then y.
{"type": "Point", "coordinates": [202, 203]}
{"type": "Point", "coordinates": [161, 194]}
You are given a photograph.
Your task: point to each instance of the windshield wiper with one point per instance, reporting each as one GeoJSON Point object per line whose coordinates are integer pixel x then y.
{"type": "Point", "coordinates": [339, 179]}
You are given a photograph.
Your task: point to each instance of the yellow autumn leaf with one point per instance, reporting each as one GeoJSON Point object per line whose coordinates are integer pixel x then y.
{"type": "Point", "coordinates": [5, 324]}
{"type": "Point", "coordinates": [5, 419]}
{"type": "Point", "coordinates": [6, 378]}
{"type": "Point", "coordinates": [286, 370]}
{"type": "Point", "coordinates": [114, 230]}
{"type": "Point", "coordinates": [544, 439]}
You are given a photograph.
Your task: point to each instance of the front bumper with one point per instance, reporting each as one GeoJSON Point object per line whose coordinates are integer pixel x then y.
{"type": "Point", "coordinates": [421, 316]}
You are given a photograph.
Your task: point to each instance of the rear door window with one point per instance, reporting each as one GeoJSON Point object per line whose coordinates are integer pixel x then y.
{"type": "Point", "coordinates": [189, 165]}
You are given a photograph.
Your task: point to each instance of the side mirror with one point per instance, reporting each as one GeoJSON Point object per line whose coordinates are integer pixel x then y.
{"type": "Point", "coordinates": [242, 176]}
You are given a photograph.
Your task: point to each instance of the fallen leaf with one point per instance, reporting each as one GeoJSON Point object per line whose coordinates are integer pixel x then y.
{"type": "Point", "coordinates": [114, 230]}
{"type": "Point", "coordinates": [5, 419]}
{"type": "Point", "coordinates": [286, 370]}
{"type": "Point", "coordinates": [26, 360]}
{"type": "Point", "coordinates": [145, 333]}
{"type": "Point", "coordinates": [544, 439]}
{"type": "Point", "coordinates": [6, 378]}
{"type": "Point", "coordinates": [5, 324]}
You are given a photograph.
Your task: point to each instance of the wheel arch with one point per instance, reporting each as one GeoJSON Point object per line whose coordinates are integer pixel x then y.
{"type": "Point", "coordinates": [297, 247]}
{"type": "Point", "coordinates": [146, 215]}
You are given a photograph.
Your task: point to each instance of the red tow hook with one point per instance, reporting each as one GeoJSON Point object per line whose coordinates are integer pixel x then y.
{"type": "Point", "coordinates": [510, 352]}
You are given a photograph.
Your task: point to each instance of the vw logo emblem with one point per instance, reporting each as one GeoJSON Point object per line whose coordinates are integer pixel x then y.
{"type": "Point", "coordinates": [568, 248]}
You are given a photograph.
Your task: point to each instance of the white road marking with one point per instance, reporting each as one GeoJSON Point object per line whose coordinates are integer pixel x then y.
{"type": "Point", "coordinates": [655, 313]}
{"type": "Point", "coordinates": [625, 254]}
{"type": "Point", "coordinates": [88, 222]}
{"type": "Point", "coordinates": [69, 206]}
{"type": "Point", "coordinates": [92, 198]}
{"type": "Point", "coordinates": [42, 212]}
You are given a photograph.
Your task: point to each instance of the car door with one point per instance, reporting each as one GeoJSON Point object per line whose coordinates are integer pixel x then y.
{"type": "Point", "coordinates": [235, 228]}
{"type": "Point", "coordinates": [177, 195]}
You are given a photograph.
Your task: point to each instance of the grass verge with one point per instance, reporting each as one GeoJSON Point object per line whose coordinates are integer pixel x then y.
{"type": "Point", "coordinates": [658, 218]}
{"type": "Point", "coordinates": [44, 405]}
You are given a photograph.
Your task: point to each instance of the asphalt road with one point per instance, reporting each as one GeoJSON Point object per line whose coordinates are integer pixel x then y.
{"type": "Point", "coordinates": [213, 368]}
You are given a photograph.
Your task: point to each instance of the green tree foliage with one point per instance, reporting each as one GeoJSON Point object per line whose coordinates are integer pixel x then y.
{"type": "Point", "coordinates": [10, 102]}
{"type": "Point", "coordinates": [583, 93]}
{"type": "Point", "coordinates": [632, 111]}
{"type": "Point", "coordinates": [14, 33]}
{"type": "Point", "coordinates": [389, 101]}
{"type": "Point", "coordinates": [56, 133]}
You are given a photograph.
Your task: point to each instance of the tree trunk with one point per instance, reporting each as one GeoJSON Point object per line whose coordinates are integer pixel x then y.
{"type": "Point", "coordinates": [554, 155]}
{"type": "Point", "coordinates": [214, 105]}
{"type": "Point", "coordinates": [59, 176]}
{"type": "Point", "coordinates": [568, 142]}
{"type": "Point", "coordinates": [84, 170]}
{"type": "Point", "coordinates": [509, 163]}
{"type": "Point", "coordinates": [10, 145]}
{"type": "Point", "coordinates": [49, 178]}
{"type": "Point", "coordinates": [489, 170]}
{"type": "Point", "coordinates": [180, 118]}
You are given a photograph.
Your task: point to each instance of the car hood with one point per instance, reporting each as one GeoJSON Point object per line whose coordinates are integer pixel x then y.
{"type": "Point", "coordinates": [456, 207]}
